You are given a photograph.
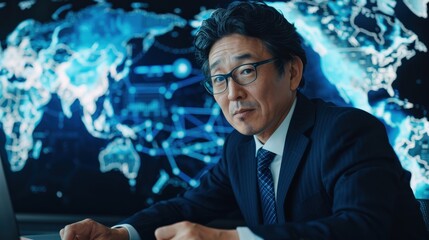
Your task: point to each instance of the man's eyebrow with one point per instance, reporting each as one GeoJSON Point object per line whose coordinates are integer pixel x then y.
{"type": "Point", "coordinates": [239, 57]}
{"type": "Point", "coordinates": [243, 56]}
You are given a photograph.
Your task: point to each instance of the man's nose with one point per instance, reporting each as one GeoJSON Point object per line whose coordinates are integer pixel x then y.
{"type": "Point", "coordinates": [235, 90]}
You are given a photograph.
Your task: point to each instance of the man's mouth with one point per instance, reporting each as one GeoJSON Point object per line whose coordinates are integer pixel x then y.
{"type": "Point", "coordinates": [242, 111]}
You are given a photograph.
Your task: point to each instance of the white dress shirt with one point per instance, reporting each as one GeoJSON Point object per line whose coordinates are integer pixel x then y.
{"type": "Point", "coordinates": [274, 144]}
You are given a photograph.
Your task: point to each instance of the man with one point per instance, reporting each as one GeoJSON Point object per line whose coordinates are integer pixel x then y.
{"type": "Point", "coordinates": [333, 175]}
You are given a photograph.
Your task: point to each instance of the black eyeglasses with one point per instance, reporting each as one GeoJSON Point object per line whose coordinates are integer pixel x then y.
{"type": "Point", "coordinates": [242, 74]}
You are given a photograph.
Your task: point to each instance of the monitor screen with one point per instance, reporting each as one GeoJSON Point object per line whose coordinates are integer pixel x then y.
{"type": "Point", "coordinates": [101, 103]}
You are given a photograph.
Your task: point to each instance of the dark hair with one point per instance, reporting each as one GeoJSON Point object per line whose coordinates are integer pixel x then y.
{"type": "Point", "coordinates": [253, 19]}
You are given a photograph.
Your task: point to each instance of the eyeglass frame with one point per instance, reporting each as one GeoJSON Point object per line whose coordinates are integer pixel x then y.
{"type": "Point", "coordinates": [207, 83]}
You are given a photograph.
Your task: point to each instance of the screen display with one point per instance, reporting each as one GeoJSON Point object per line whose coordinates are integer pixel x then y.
{"type": "Point", "coordinates": [101, 103]}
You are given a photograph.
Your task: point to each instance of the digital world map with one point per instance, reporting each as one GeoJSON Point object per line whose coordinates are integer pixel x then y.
{"type": "Point", "coordinates": [103, 98]}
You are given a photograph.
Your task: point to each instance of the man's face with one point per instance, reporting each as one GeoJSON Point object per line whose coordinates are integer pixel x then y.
{"type": "Point", "coordinates": [259, 107]}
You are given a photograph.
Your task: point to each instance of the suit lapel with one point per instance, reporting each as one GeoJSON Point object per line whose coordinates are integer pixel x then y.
{"type": "Point", "coordinates": [295, 145]}
{"type": "Point", "coordinates": [248, 181]}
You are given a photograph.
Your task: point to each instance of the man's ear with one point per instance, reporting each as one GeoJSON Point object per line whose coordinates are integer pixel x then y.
{"type": "Point", "coordinates": [295, 71]}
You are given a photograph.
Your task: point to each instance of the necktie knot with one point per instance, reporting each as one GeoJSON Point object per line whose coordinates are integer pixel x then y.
{"type": "Point", "coordinates": [265, 158]}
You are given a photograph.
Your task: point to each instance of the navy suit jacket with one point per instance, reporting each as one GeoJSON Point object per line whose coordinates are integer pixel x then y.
{"type": "Point", "coordinates": [339, 179]}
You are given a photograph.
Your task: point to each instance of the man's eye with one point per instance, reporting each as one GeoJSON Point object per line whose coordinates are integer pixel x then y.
{"type": "Point", "coordinates": [218, 79]}
{"type": "Point", "coordinates": [247, 71]}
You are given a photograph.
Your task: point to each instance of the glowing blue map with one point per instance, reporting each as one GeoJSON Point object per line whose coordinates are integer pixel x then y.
{"type": "Point", "coordinates": [106, 88]}
{"type": "Point", "coordinates": [359, 58]}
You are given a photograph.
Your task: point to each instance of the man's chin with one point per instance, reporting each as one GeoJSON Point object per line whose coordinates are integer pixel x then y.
{"type": "Point", "coordinates": [245, 130]}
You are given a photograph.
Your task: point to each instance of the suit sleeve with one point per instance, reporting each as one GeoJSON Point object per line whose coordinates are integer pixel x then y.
{"type": "Point", "coordinates": [363, 178]}
{"type": "Point", "coordinates": [212, 199]}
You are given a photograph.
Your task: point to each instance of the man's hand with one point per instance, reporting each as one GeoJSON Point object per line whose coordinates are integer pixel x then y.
{"type": "Point", "coordinates": [89, 229]}
{"type": "Point", "coordinates": [192, 231]}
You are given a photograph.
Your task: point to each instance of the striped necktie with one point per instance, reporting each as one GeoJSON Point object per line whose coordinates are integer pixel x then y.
{"type": "Point", "coordinates": [266, 186]}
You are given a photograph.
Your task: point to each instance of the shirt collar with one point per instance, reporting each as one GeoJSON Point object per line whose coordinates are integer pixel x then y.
{"type": "Point", "coordinates": [276, 142]}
